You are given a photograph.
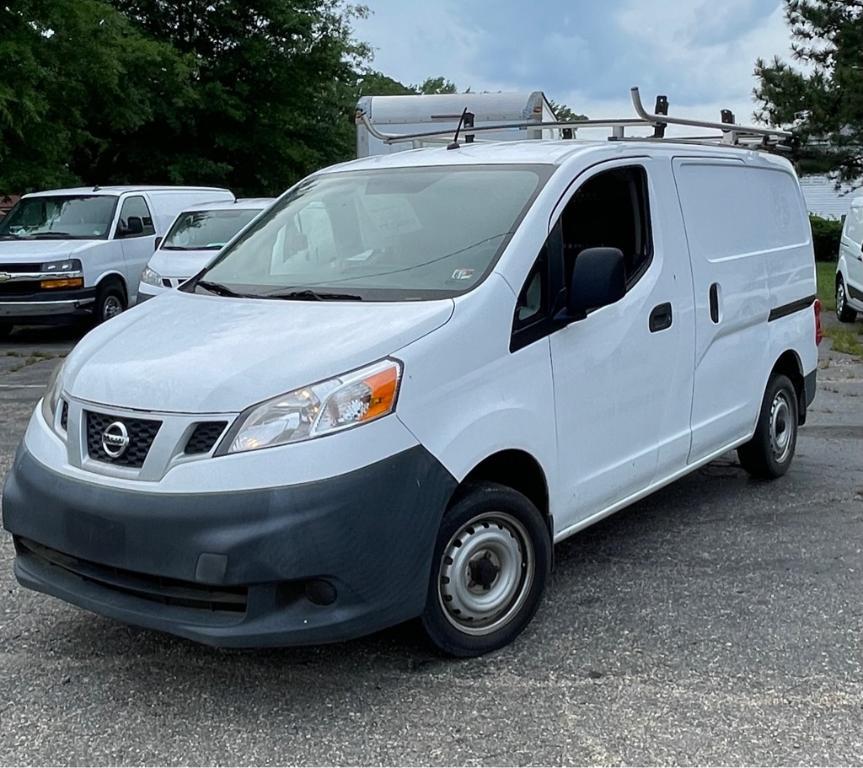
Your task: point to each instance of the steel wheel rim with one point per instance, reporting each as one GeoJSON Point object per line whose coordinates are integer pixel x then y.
{"type": "Point", "coordinates": [486, 573]}
{"type": "Point", "coordinates": [111, 307]}
{"type": "Point", "coordinates": [840, 299]}
{"type": "Point", "coordinates": [781, 427]}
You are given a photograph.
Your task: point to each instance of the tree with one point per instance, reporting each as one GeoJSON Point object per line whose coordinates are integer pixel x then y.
{"type": "Point", "coordinates": [74, 76]}
{"type": "Point", "coordinates": [828, 40]}
{"type": "Point", "coordinates": [432, 85]}
{"type": "Point", "coordinates": [563, 113]}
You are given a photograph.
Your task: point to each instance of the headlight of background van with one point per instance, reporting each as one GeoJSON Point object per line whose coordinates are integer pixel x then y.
{"type": "Point", "coordinates": [151, 277]}
{"type": "Point", "coordinates": [64, 265]}
{"type": "Point", "coordinates": [52, 395]}
{"type": "Point", "coordinates": [329, 406]}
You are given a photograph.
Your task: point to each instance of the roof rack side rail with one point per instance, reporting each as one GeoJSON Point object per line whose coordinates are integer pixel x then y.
{"type": "Point", "coordinates": [751, 130]}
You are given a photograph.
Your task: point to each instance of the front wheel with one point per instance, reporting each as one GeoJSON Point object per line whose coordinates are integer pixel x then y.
{"type": "Point", "coordinates": [110, 301]}
{"type": "Point", "coordinates": [770, 451]}
{"type": "Point", "coordinates": [491, 563]}
{"type": "Point", "coordinates": [843, 311]}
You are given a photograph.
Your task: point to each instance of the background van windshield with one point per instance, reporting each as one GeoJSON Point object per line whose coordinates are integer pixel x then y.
{"type": "Point", "coordinates": [206, 230]}
{"type": "Point", "coordinates": [395, 234]}
{"type": "Point", "coordinates": [79, 217]}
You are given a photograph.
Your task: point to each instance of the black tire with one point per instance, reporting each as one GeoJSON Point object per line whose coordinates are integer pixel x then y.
{"type": "Point", "coordinates": [5, 330]}
{"type": "Point", "coordinates": [770, 451]}
{"type": "Point", "coordinates": [110, 301]}
{"type": "Point", "coordinates": [843, 311]}
{"type": "Point", "coordinates": [505, 545]}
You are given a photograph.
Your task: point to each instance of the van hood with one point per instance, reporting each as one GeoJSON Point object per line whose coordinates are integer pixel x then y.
{"type": "Point", "coordinates": [37, 251]}
{"type": "Point", "coordinates": [188, 353]}
{"type": "Point", "coordinates": [179, 264]}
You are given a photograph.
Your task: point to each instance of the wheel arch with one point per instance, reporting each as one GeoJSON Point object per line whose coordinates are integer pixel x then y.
{"type": "Point", "coordinates": [789, 364]}
{"type": "Point", "coordinates": [113, 276]}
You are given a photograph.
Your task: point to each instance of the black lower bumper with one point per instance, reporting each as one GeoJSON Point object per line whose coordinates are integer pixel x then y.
{"type": "Point", "coordinates": [312, 563]}
{"type": "Point", "coordinates": [47, 307]}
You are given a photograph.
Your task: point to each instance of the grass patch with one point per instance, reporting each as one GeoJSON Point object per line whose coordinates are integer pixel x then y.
{"type": "Point", "coordinates": [826, 272]}
{"type": "Point", "coordinates": [847, 340]}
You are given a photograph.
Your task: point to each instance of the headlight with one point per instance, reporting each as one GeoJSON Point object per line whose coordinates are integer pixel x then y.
{"type": "Point", "coordinates": [151, 277]}
{"type": "Point", "coordinates": [52, 395]}
{"type": "Point", "coordinates": [320, 409]}
{"type": "Point", "coordinates": [67, 265]}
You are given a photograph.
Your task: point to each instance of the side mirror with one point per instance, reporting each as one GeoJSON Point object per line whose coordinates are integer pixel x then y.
{"type": "Point", "coordinates": [157, 243]}
{"type": "Point", "coordinates": [134, 226]}
{"type": "Point", "coordinates": [598, 279]}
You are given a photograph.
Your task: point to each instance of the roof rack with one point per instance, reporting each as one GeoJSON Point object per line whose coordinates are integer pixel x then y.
{"type": "Point", "coordinates": [730, 133]}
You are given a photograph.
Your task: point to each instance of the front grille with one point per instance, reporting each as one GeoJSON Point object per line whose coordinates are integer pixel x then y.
{"type": "Point", "coordinates": [21, 267]}
{"type": "Point", "coordinates": [64, 415]}
{"type": "Point", "coordinates": [20, 288]}
{"type": "Point", "coordinates": [141, 433]}
{"type": "Point", "coordinates": [166, 282]}
{"type": "Point", "coordinates": [158, 589]}
{"type": "Point", "coordinates": [205, 436]}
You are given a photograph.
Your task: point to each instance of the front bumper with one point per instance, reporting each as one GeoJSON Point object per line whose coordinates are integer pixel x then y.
{"type": "Point", "coordinates": [43, 308]}
{"type": "Point", "coordinates": [163, 560]}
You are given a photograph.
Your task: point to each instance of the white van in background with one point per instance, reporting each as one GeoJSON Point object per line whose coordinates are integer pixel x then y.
{"type": "Point", "coordinates": [71, 253]}
{"type": "Point", "coordinates": [849, 270]}
{"type": "Point", "coordinates": [194, 238]}
{"type": "Point", "coordinates": [472, 355]}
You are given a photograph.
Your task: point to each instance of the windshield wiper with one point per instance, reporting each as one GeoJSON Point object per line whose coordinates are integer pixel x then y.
{"type": "Point", "coordinates": [51, 235]}
{"type": "Point", "coordinates": [12, 236]}
{"type": "Point", "coordinates": [309, 295]}
{"type": "Point", "coordinates": [222, 290]}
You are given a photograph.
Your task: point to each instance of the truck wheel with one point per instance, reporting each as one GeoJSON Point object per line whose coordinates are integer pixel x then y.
{"type": "Point", "coordinates": [843, 311]}
{"type": "Point", "coordinates": [490, 566]}
{"type": "Point", "coordinates": [110, 301]}
{"type": "Point", "coordinates": [770, 451]}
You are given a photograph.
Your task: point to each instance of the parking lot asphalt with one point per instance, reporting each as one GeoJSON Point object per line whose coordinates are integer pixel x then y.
{"type": "Point", "coordinates": [717, 621]}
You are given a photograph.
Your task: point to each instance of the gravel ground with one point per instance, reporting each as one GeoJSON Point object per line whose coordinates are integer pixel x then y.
{"type": "Point", "coordinates": [717, 621]}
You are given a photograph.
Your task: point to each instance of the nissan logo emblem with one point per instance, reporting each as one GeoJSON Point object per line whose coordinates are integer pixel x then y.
{"type": "Point", "coordinates": [115, 439]}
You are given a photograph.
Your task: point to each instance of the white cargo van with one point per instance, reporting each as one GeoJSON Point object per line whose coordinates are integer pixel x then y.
{"type": "Point", "coordinates": [849, 270]}
{"type": "Point", "coordinates": [472, 355]}
{"type": "Point", "coordinates": [72, 253]}
{"type": "Point", "coordinates": [193, 240]}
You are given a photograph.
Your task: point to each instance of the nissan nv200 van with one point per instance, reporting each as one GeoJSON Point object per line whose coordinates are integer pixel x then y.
{"type": "Point", "coordinates": [399, 387]}
{"type": "Point", "coordinates": [72, 253]}
{"type": "Point", "coordinates": [193, 240]}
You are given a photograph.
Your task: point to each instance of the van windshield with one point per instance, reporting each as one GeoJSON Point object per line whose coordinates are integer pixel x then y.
{"type": "Point", "coordinates": [396, 234]}
{"type": "Point", "coordinates": [206, 230]}
{"type": "Point", "coordinates": [67, 217]}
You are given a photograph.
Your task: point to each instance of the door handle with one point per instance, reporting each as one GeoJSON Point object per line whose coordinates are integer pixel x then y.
{"type": "Point", "coordinates": [660, 317]}
{"type": "Point", "coordinates": [714, 302]}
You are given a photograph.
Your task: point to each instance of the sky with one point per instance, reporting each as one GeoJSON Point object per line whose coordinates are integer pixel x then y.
{"type": "Point", "coordinates": [584, 53]}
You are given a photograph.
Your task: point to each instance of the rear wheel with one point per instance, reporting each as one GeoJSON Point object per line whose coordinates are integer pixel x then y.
{"type": "Point", "coordinates": [770, 451]}
{"type": "Point", "coordinates": [843, 311]}
{"type": "Point", "coordinates": [490, 567]}
{"type": "Point", "coordinates": [110, 301]}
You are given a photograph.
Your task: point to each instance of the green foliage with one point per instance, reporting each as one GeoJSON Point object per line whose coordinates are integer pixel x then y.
{"type": "Point", "coordinates": [564, 114]}
{"type": "Point", "coordinates": [828, 39]}
{"type": "Point", "coordinates": [433, 85]}
{"type": "Point", "coordinates": [826, 236]}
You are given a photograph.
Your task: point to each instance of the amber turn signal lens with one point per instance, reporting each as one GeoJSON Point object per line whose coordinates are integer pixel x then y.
{"type": "Point", "coordinates": [382, 392]}
{"type": "Point", "coordinates": [62, 282]}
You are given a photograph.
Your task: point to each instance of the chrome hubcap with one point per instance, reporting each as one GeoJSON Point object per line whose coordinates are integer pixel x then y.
{"type": "Point", "coordinates": [781, 427]}
{"type": "Point", "coordinates": [486, 573]}
{"type": "Point", "coordinates": [112, 307]}
{"type": "Point", "coordinates": [840, 299]}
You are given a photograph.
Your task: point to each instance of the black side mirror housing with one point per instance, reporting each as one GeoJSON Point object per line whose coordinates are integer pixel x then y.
{"type": "Point", "coordinates": [134, 226]}
{"type": "Point", "coordinates": [157, 243]}
{"type": "Point", "coordinates": [598, 279]}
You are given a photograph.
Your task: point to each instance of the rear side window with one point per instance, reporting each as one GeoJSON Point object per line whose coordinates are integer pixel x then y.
{"type": "Point", "coordinates": [854, 224]}
{"type": "Point", "coordinates": [735, 210]}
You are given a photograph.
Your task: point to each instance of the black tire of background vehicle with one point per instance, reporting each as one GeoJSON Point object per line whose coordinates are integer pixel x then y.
{"type": "Point", "coordinates": [768, 454]}
{"type": "Point", "coordinates": [488, 500]}
{"type": "Point", "coordinates": [110, 301]}
{"type": "Point", "coordinates": [5, 330]}
{"type": "Point", "coordinates": [843, 311]}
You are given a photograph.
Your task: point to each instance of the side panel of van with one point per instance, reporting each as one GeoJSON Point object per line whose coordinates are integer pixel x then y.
{"type": "Point", "coordinates": [851, 254]}
{"type": "Point", "coordinates": [746, 233]}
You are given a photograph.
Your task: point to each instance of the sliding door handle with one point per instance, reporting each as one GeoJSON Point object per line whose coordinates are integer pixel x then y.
{"type": "Point", "coordinates": [660, 317]}
{"type": "Point", "coordinates": [714, 302]}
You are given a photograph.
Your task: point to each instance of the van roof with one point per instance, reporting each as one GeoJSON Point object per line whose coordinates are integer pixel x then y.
{"type": "Point", "coordinates": [540, 152]}
{"type": "Point", "coordinates": [119, 190]}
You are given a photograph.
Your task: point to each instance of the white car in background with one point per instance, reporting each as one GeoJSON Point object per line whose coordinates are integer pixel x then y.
{"type": "Point", "coordinates": [849, 270]}
{"type": "Point", "coordinates": [195, 237]}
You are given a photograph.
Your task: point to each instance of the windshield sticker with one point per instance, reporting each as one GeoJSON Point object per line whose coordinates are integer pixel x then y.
{"type": "Point", "coordinates": [464, 273]}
